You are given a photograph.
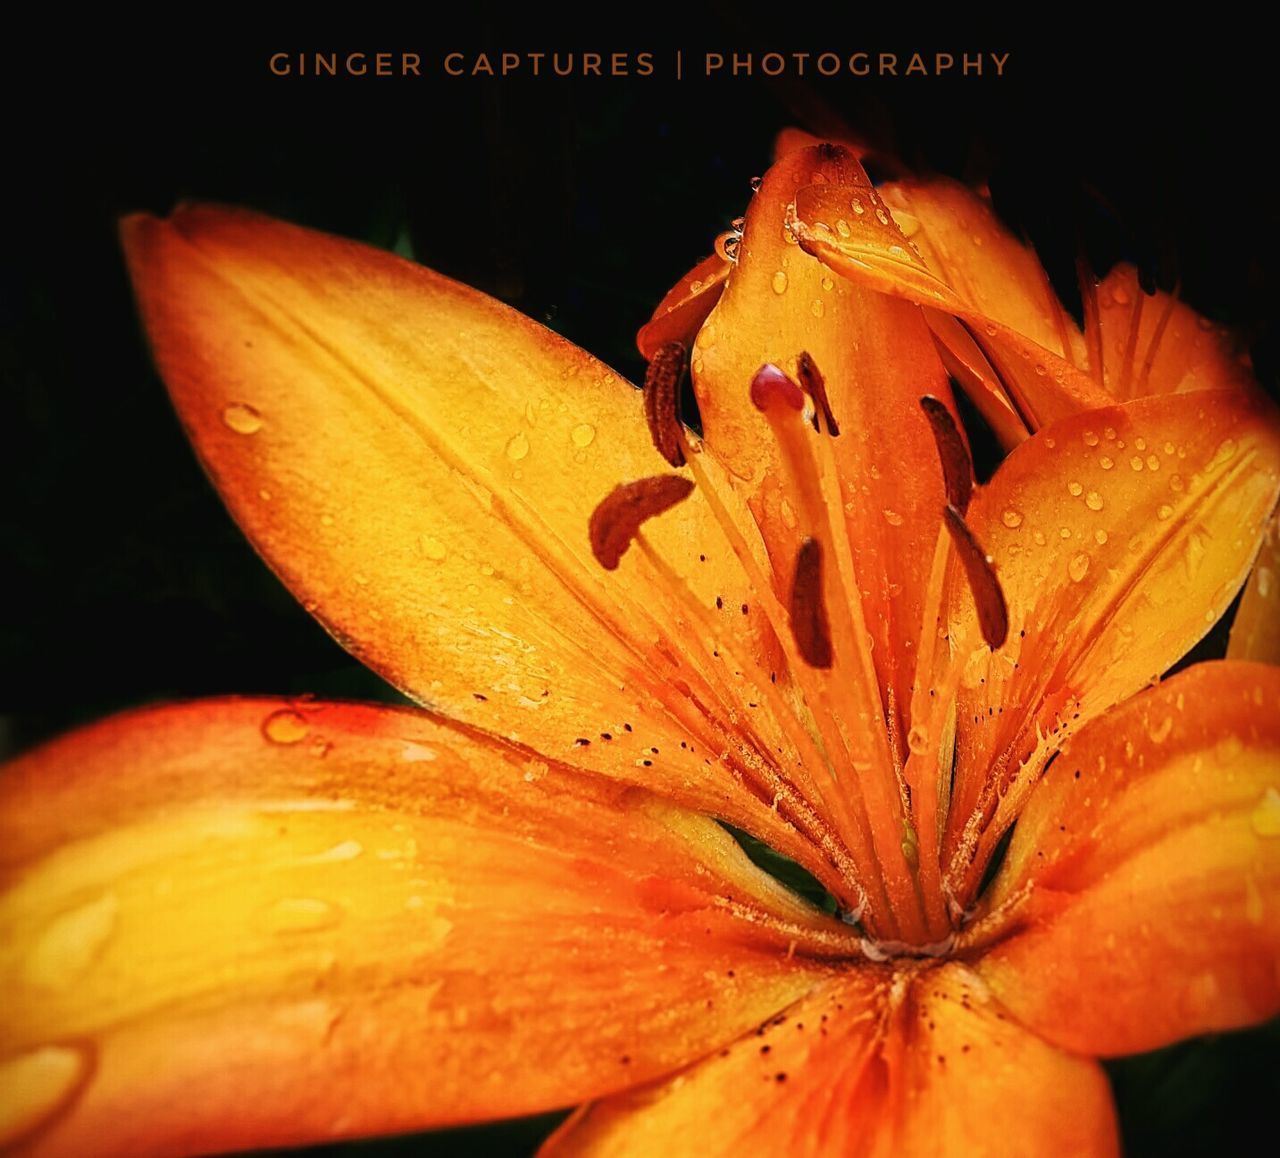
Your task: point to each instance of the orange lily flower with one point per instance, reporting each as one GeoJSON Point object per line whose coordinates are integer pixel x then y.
{"type": "Point", "coordinates": [247, 923]}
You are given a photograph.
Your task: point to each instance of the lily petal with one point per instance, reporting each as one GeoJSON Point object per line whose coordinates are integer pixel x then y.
{"type": "Point", "coordinates": [1255, 631]}
{"type": "Point", "coordinates": [686, 306]}
{"type": "Point", "coordinates": [419, 463]}
{"type": "Point", "coordinates": [872, 1064]}
{"type": "Point", "coordinates": [1151, 850]}
{"type": "Point", "coordinates": [1156, 344]}
{"type": "Point", "coordinates": [248, 923]}
{"type": "Point", "coordinates": [876, 250]}
{"type": "Point", "coordinates": [877, 359]}
{"type": "Point", "coordinates": [1119, 536]}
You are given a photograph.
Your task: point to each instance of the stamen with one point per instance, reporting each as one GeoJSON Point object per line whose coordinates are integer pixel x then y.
{"type": "Point", "coordinates": [956, 470]}
{"type": "Point", "coordinates": [1131, 343]}
{"type": "Point", "coordinates": [772, 391]}
{"type": "Point", "coordinates": [993, 613]}
{"type": "Point", "coordinates": [621, 513]}
{"type": "Point", "coordinates": [812, 380]}
{"type": "Point", "coordinates": [809, 626]}
{"type": "Point", "coordinates": [662, 400]}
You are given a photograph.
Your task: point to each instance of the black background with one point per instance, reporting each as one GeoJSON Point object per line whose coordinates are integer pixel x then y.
{"type": "Point", "coordinates": [580, 202]}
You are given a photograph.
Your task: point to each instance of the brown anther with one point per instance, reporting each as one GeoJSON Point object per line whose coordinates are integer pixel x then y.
{"type": "Point", "coordinates": [812, 380]}
{"type": "Point", "coordinates": [808, 610]}
{"type": "Point", "coordinates": [772, 389]}
{"type": "Point", "coordinates": [617, 520]}
{"type": "Point", "coordinates": [662, 400]}
{"type": "Point", "coordinates": [993, 614]}
{"type": "Point", "coordinates": [957, 472]}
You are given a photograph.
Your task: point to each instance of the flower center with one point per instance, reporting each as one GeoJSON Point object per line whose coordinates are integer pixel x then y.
{"type": "Point", "coordinates": [876, 821]}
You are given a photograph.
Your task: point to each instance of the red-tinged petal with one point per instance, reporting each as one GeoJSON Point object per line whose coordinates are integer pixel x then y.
{"type": "Point", "coordinates": [249, 923]}
{"type": "Point", "coordinates": [1119, 537]}
{"type": "Point", "coordinates": [1152, 852]}
{"type": "Point", "coordinates": [1155, 344]}
{"type": "Point", "coordinates": [875, 249]}
{"type": "Point", "coordinates": [918, 1064]}
{"type": "Point", "coordinates": [420, 464]}
{"type": "Point", "coordinates": [685, 306]}
{"type": "Point", "coordinates": [1255, 632]}
{"type": "Point", "coordinates": [877, 359]}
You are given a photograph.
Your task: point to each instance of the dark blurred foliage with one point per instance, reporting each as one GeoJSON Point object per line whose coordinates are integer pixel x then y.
{"type": "Point", "coordinates": [579, 202]}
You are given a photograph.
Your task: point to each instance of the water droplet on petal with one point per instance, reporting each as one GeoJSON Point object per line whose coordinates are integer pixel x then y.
{"type": "Point", "coordinates": [1136, 462]}
{"type": "Point", "coordinates": [242, 418]}
{"type": "Point", "coordinates": [38, 1084]}
{"type": "Point", "coordinates": [1100, 536]}
{"type": "Point", "coordinates": [70, 943]}
{"type": "Point", "coordinates": [1265, 817]}
{"type": "Point", "coordinates": [517, 447]}
{"type": "Point", "coordinates": [1165, 511]}
{"type": "Point", "coordinates": [893, 518]}
{"type": "Point", "coordinates": [1090, 438]}
{"type": "Point", "coordinates": [882, 217]}
{"type": "Point", "coordinates": [1093, 501]}
{"type": "Point", "coordinates": [1078, 568]}
{"type": "Point", "coordinates": [828, 284]}
{"type": "Point", "coordinates": [583, 434]}
{"type": "Point", "coordinates": [816, 308]}
{"type": "Point", "coordinates": [1075, 489]}
{"type": "Point", "coordinates": [285, 727]}
{"type": "Point", "coordinates": [1225, 452]}
{"type": "Point", "coordinates": [1153, 463]}
{"type": "Point", "coordinates": [1106, 462]}
{"type": "Point", "coordinates": [433, 549]}
{"type": "Point", "coordinates": [1159, 733]}
{"type": "Point", "coordinates": [1109, 433]}
{"type": "Point", "coordinates": [756, 182]}
{"type": "Point", "coordinates": [1011, 518]}
{"type": "Point", "coordinates": [842, 227]}
{"type": "Point", "coordinates": [779, 282]}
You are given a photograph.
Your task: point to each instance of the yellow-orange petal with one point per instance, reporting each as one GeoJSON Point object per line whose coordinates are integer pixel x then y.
{"type": "Point", "coordinates": [877, 250]}
{"type": "Point", "coordinates": [1152, 852]}
{"type": "Point", "coordinates": [256, 923]}
{"type": "Point", "coordinates": [419, 463]}
{"type": "Point", "coordinates": [685, 306]}
{"type": "Point", "coordinates": [1255, 632]}
{"type": "Point", "coordinates": [1156, 344]}
{"type": "Point", "coordinates": [877, 359]}
{"type": "Point", "coordinates": [1119, 536]}
{"type": "Point", "coordinates": [874, 1064]}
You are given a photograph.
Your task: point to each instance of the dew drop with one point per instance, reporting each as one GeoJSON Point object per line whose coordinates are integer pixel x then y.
{"type": "Point", "coordinates": [779, 282]}
{"type": "Point", "coordinates": [842, 227]}
{"type": "Point", "coordinates": [892, 518]}
{"type": "Point", "coordinates": [1106, 462]}
{"type": "Point", "coordinates": [858, 207]}
{"type": "Point", "coordinates": [1140, 444]}
{"type": "Point", "coordinates": [1064, 532]}
{"type": "Point", "coordinates": [433, 549]}
{"type": "Point", "coordinates": [300, 915]}
{"type": "Point", "coordinates": [1168, 448]}
{"type": "Point", "coordinates": [36, 1085]}
{"type": "Point", "coordinates": [1265, 581]}
{"type": "Point", "coordinates": [1165, 511]}
{"type": "Point", "coordinates": [756, 182]}
{"type": "Point", "coordinates": [1265, 817]}
{"type": "Point", "coordinates": [1159, 733]}
{"type": "Point", "coordinates": [1109, 433]}
{"type": "Point", "coordinates": [1225, 452]}
{"type": "Point", "coordinates": [1100, 536]}
{"type": "Point", "coordinates": [1040, 370]}
{"type": "Point", "coordinates": [1176, 483]}
{"type": "Point", "coordinates": [242, 418]}
{"type": "Point", "coordinates": [285, 727]}
{"type": "Point", "coordinates": [1090, 438]}
{"type": "Point", "coordinates": [583, 434]}
{"type": "Point", "coordinates": [816, 308]}
{"type": "Point", "coordinates": [517, 447]}
{"type": "Point", "coordinates": [326, 520]}
{"type": "Point", "coordinates": [1075, 489]}
{"type": "Point", "coordinates": [70, 943]}
{"type": "Point", "coordinates": [1078, 568]}
{"type": "Point", "coordinates": [1038, 536]}
{"type": "Point", "coordinates": [1012, 518]}
{"type": "Point", "coordinates": [1153, 463]}
{"type": "Point", "coordinates": [828, 284]}
{"type": "Point", "coordinates": [1136, 462]}
{"type": "Point", "coordinates": [882, 217]}
{"type": "Point", "coordinates": [1093, 501]}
